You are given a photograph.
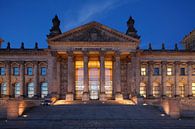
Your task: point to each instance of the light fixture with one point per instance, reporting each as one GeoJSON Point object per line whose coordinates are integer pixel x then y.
{"type": "Point", "coordinates": [25, 116]}
{"type": "Point", "coordinates": [145, 104]}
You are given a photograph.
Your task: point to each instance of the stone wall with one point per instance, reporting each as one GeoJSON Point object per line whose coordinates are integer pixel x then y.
{"type": "Point", "coordinates": [12, 108]}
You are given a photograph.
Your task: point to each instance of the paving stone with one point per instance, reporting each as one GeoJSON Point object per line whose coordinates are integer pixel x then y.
{"type": "Point", "coordinates": [93, 116]}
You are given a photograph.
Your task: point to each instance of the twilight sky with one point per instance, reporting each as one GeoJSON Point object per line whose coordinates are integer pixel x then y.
{"type": "Point", "coordinates": [156, 21]}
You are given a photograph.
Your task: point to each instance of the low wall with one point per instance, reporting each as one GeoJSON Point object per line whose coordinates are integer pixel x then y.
{"type": "Point", "coordinates": [12, 108]}
{"type": "Point", "coordinates": [171, 107]}
{"type": "Point", "coordinates": [3, 109]}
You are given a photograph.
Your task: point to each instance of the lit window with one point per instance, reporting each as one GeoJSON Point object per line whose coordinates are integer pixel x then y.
{"type": "Point", "coordinates": [2, 71]}
{"type": "Point", "coordinates": [17, 89]}
{"type": "Point", "coordinates": [181, 90]}
{"type": "Point", "coordinates": [43, 71]}
{"type": "Point", "coordinates": [156, 71]}
{"type": "Point", "coordinates": [143, 89]}
{"type": "Point", "coordinates": [44, 90]}
{"type": "Point", "coordinates": [182, 71]}
{"type": "Point", "coordinates": [29, 71]}
{"type": "Point", "coordinates": [143, 71]}
{"type": "Point", "coordinates": [3, 89]}
{"type": "Point", "coordinates": [193, 89]}
{"type": "Point", "coordinates": [169, 71]}
{"type": "Point", "coordinates": [15, 71]}
{"type": "Point", "coordinates": [108, 78]}
{"type": "Point", "coordinates": [79, 77]}
{"type": "Point", "coordinates": [168, 90]}
{"type": "Point", "coordinates": [31, 90]}
{"type": "Point", "coordinates": [156, 89]}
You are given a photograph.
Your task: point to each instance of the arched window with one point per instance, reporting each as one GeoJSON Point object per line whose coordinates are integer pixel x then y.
{"type": "Point", "coordinates": [17, 89]}
{"type": "Point", "coordinates": [143, 89]}
{"type": "Point", "coordinates": [168, 90]}
{"type": "Point", "coordinates": [156, 89]}
{"type": "Point", "coordinates": [31, 90]}
{"type": "Point", "coordinates": [44, 89]}
{"type": "Point", "coordinates": [3, 89]}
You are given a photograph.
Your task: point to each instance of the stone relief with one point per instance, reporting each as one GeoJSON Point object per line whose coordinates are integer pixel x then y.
{"type": "Point", "coordinates": [93, 34]}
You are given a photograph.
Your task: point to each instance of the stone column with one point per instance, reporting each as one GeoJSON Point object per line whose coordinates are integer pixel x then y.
{"type": "Point", "coordinates": [36, 76]}
{"type": "Point", "coordinates": [176, 86]}
{"type": "Point", "coordinates": [8, 76]}
{"type": "Point", "coordinates": [113, 78]}
{"type": "Point", "coordinates": [150, 85]}
{"type": "Point", "coordinates": [22, 78]}
{"type": "Point", "coordinates": [69, 95]}
{"type": "Point", "coordinates": [51, 73]}
{"type": "Point", "coordinates": [163, 80]}
{"type": "Point", "coordinates": [58, 73]}
{"type": "Point", "coordinates": [102, 76]}
{"type": "Point", "coordinates": [189, 88]}
{"type": "Point", "coordinates": [118, 94]}
{"type": "Point", "coordinates": [85, 96]}
{"type": "Point", "coordinates": [129, 77]}
{"type": "Point", "coordinates": [135, 75]}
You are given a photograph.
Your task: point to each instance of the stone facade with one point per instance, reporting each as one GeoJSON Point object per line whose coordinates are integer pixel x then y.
{"type": "Point", "coordinates": [111, 63]}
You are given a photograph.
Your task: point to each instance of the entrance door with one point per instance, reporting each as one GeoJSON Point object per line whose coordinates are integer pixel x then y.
{"type": "Point", "coordinates": [94, 83]}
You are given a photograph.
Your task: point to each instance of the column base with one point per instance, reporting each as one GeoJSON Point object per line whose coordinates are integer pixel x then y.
{"type": "Point", "coordinates": [85, 96]}
{"type": "Point", "coordinates": [118, 96]}
{"type": "Point", "coordinates": [103, 97]}
{"type": "Point", "coordinates": [69, 97]}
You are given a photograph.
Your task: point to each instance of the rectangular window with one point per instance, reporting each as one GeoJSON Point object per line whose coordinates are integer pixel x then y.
{"type": "Point", "coordinates": [156, 71]}
{"type": "Point", "coordinates": [29, 71]}
{"type": "Point", "coordinates": [182, 71]}
{"type": "Point", "coordinates": [193, 89]}
{"type": "Point", "coordinates": [169, 71]}
{"type": "Point", "coordinates": [143, 71]}
{"type": "Point", "coordinates": [16, 71]}
{"type": "Point", "coordinates": [2, 71]}
{"type": "Point", "coordinates": [43, 71]}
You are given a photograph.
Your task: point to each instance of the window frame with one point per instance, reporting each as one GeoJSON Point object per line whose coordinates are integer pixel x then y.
{"type": "Point", "coordinates": [143, 72]}
{"type": "Point", "coordinates": [155, 71]}
{"type": "Point", "coordinates": [28, 72]}
{"type": "Point", "coordinates": [169, 71]}
{"type": "Point", "coordinates": [182, 71]}
{"type": "Point", "coordinates": [2, 72]}
{"type": "Point", "coordinates": [16, 73]}
{"type": "Point", "coordinates": [41, 72]}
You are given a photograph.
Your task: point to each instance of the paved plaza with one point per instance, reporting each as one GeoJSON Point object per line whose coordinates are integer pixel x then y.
{"type": "Point", "coordinates": [96, 116]}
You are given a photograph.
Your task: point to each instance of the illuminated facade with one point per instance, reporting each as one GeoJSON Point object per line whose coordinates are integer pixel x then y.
{"type": "Point", "coordinates": [95, 62]}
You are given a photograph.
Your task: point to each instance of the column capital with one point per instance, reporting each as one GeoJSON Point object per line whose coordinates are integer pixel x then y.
{"type": "Point", "coordinates": [69, 53]}
{"type": "Point", "coordinates": [164, 62]}
{"type": "Point", "coordinates": [150, 62]}
{"type": "Point", "coordinates": [177, 62]}
{"type": "Point", "coordinates": [190, 63]}
{"type": "Point", "coordinates": [85, 53]}
{"type": "Point", "coordinates": [35, 62]}
{"type": "Point", "coordinates": [117, 53]}
{"type": "Point", "coordinates": [54, 53]}
{"type": "Point", "coordinates": [102, 53]}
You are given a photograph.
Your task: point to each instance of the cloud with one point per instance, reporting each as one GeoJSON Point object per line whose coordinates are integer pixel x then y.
{"type": "Point", "coordinates": [89, 11]}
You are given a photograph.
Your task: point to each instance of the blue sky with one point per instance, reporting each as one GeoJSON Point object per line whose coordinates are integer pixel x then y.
{"type": "Point", "coordinates": [156, 21]}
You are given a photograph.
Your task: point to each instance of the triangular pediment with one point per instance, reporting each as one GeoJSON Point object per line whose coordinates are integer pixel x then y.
{"type": "Point", "coordinates": [93, 32]}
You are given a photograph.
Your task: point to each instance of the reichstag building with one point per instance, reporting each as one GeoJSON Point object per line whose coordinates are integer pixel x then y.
{"type": "Point", "coordinates": [95, 62]}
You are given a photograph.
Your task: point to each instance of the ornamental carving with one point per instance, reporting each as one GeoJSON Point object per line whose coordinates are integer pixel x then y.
{"type": "Point", "coordinates": [93, 34]}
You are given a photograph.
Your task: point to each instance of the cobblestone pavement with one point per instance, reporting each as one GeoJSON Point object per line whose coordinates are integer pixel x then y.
{"type": "Point", "coordinates": [96, 117]}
